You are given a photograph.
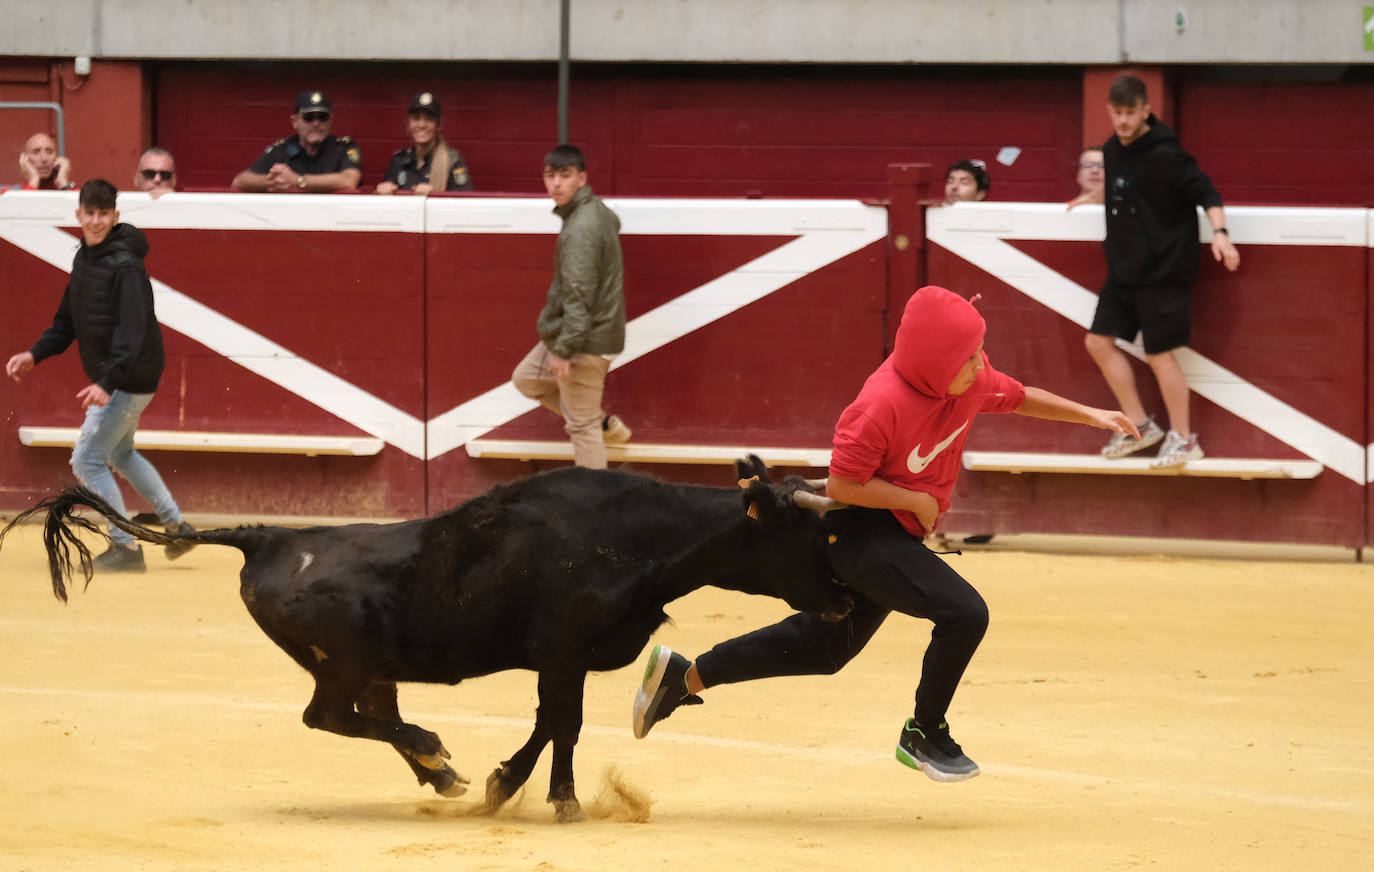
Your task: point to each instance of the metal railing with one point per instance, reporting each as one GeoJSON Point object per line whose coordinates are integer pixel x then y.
{"type": "Point", "coordinates": [61, 124]}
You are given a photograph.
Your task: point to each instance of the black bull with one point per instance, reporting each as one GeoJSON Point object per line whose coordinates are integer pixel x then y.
{"type": "Point", "coordinates": [563, 572]}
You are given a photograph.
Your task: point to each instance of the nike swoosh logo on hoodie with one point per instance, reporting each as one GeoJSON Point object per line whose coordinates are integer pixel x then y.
{"type": "Point", "coordinates": [917, 463]}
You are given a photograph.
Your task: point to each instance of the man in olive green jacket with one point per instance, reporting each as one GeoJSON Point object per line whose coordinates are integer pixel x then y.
{"type": "Point", "coordinates": [582, 325]}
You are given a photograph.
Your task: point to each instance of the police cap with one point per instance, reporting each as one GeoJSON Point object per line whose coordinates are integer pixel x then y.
{"type": "Point", "coordinates": [426, 102]}
{"type": "Point", "coordinates": [313, 101]}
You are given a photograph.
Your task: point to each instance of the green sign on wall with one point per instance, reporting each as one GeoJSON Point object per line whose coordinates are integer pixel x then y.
{"type": "Point", "coordinates": [1369, 28]}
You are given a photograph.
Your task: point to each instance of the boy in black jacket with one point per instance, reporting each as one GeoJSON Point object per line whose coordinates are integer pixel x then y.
{"type": "Point", "coordinates": [1153, 189]}
{"type": "Point", "coordinates": [108, 309]}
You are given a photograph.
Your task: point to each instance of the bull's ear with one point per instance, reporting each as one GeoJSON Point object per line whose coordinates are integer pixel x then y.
{"type": "Point", "coordinates": [762, 502]}
{"type": "Point", "coordinates": [751, 466]}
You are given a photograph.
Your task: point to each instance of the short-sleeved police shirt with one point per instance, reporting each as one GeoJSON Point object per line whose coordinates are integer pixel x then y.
{"type": "Point", "coordinates": [336, 154]}
{"type": "Point", "coordinates": [406, 174]}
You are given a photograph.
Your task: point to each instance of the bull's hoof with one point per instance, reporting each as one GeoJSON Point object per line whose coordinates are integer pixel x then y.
{"type": "Point", "coordinates": [497, 790]}
{"type": "Point", "coordinates": [447, 782]}
{"type": "Point", "coordinates": [434, 761]}
{"type": "Point", "coordinates": [568, 811]}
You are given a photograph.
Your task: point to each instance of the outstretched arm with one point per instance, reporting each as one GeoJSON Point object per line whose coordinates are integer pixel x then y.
{"type": "Point", "coordinates": [1041, 403]}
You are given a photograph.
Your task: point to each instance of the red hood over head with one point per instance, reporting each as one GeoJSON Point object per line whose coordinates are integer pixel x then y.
{"type": "Point", "coordinates": [939, 332]}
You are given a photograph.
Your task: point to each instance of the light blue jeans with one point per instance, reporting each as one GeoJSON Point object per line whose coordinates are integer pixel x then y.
{"type": "Point", "coordinates": [107, 442]}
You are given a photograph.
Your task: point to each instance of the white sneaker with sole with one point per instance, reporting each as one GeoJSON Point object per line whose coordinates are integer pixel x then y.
{"type": "Point", "coordinates": [1177, 451]}
{"type": "Point", "coordinates": [1124, 444]}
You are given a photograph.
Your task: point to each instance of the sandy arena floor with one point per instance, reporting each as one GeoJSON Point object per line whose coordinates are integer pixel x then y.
{"type": "Point", "coordinates": [1127, 713]}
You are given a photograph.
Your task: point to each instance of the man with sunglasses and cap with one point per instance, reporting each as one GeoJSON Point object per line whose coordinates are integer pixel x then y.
{"type": "Point", "coordinates": [430, 163]}
{"type": "Point", "coordinates": [157, 173]}
{"type": "Point", "coordinates": [312, 161]}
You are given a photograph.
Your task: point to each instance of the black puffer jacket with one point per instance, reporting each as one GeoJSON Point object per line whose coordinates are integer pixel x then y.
{"type": "Point", "coordinates": [108, 309]}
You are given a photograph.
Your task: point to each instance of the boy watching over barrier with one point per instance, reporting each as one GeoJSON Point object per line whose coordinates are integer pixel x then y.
{"type": "Point", "coordinates": [1153, 189]}
{"type": "Point", "coordinates": [897, 452]}
{"type": "Point", "coordinates": [107, 309]}
{"type": "Point", "coordinates": [967, 180]}
{"type": "Point", "coordinates": [582, 325]}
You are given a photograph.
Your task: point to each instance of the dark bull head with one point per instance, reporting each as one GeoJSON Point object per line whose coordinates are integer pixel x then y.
{"type": "Point", "coordinates": [790, 535]}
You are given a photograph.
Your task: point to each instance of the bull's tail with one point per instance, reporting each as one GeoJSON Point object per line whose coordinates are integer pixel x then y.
{"type": "Point", "coordinates": [62, 524]}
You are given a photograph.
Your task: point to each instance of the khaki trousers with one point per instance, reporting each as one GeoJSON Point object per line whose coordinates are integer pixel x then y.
{"type": "Point", "coordinates": [577, 399]}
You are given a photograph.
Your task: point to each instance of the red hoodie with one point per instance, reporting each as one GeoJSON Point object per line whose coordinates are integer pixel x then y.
{"type": "Point", "coordinates": [905, 427]}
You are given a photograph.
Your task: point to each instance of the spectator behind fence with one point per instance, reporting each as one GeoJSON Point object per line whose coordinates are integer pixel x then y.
{"type": "Point", "coordinates": [157, 172]}
{"type": "Point", "coordinates": [582, 325]}
{"type": "Point", "coordinates": [1153, 189]}
{"type": "Point", "coordinates": [1090, 178]}
{"type": "Point", "coordinates": [429, 155]}
{"type": "Point", "coordinates": [311, 161]}
{"type": "Point", "coordinates": [966, 180]}
{"type": "Point", "coordinates": [41, 168]}
{"type": "Point", "coordinates": [107, 309]}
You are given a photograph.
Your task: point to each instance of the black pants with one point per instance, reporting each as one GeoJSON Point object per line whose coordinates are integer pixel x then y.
{"type": "Point", "coordinates": [892, 571]}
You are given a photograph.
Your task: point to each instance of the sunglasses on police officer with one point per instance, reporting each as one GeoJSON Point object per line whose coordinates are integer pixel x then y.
{"type": "Point", "coordinates": [162, 175]}
{"type": "Point", "coordinates": [315, 116]}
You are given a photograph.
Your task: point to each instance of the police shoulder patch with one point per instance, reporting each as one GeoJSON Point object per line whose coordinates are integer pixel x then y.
{"type": "Point", "coordinates": [278, 144]}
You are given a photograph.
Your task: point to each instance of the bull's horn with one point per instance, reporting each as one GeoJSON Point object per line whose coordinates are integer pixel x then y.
{"type": "Point", "coordinates": [817, 484]}
{"type": "Point", "coordinates": [816, 502]}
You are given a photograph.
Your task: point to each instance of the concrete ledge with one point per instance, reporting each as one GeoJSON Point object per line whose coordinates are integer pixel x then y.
{"type": "Point", "coordinates": [1093, 464]}
{"type": "Point", "coordinates": [635, 452]}
{"type": "Point", "coordinates": [185, 440]}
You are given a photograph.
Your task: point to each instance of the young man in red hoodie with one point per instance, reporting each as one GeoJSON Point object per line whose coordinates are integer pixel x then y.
{"type": "Point", "coordinates": [896, 455]}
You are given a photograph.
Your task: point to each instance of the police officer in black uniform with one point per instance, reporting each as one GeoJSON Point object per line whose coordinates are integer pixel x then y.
{"type": "Point", "coordinates": [411, 168]}
{"type": "Point", "coordinates": [310, 161]}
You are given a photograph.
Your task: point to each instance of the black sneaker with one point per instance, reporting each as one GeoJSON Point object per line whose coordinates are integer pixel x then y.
{"type": "Point", "coordinates": [176, 549]}
{"type": "Point", "coordinates": [117, 558]}
{"type": "Point", "coordinates": [933, 752]}
{"type": "Point", "coordinates": [664, 688]}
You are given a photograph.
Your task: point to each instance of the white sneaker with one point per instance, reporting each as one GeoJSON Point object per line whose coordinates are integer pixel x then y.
{"type": "Point", "coordinates": [1176, 451]}
{"type": "Point", "coordinates": [1124, 444]}
{"type": "Point", "coordinates": [615, 432]}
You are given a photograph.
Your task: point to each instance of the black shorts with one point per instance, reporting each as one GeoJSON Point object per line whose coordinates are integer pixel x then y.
{"type": "Point", "coordinates": [1158, 312]}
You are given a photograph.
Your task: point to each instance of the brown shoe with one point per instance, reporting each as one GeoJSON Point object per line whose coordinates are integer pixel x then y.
{"type": "Point", "coordinates": [614, 431]}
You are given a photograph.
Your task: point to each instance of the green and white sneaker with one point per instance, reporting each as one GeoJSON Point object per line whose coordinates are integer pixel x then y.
{"type": "Point", "coordinates": [663, 689]}
{"type": "Point", "coordinates": [933, 752]}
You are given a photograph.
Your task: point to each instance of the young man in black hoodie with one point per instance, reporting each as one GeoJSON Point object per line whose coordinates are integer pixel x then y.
{"type": "Point", "coordinates": [1153, 189]}
{"type": "Point", "coordinates": [108, 310]}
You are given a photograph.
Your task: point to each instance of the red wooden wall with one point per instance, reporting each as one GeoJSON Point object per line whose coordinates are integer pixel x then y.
{"type": "Point", "coordinates": [649, 130]}
{"type": "Point", "coordinates": [1282, 142]}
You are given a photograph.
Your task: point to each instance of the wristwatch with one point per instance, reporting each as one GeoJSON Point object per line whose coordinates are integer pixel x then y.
{"type": "Point", "coordinates": [300, 181]}
{"type": "Point", "coordinates": [1221, 230]}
